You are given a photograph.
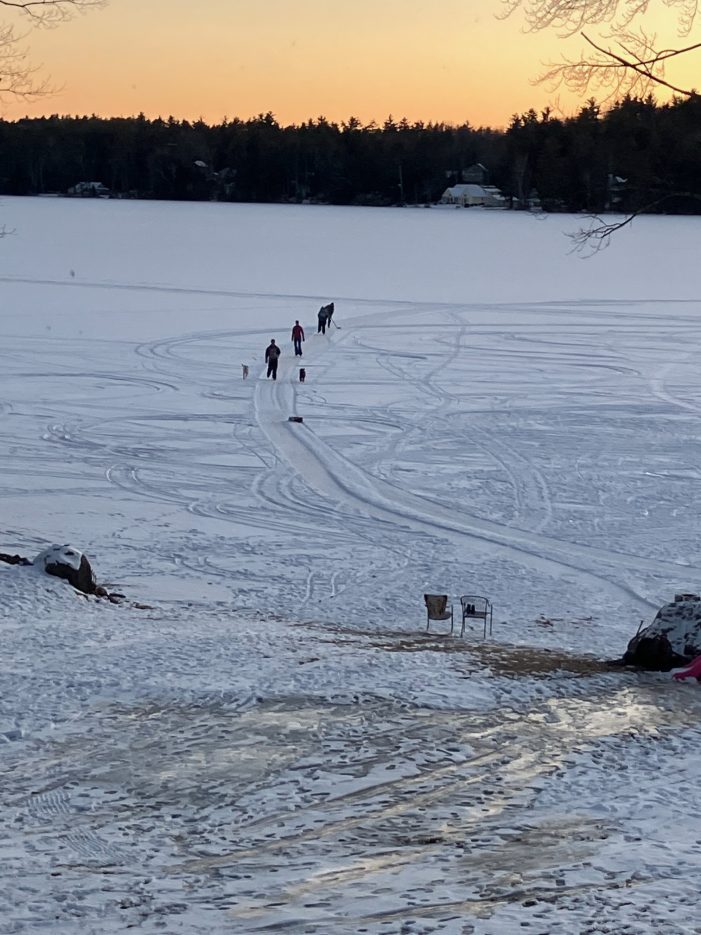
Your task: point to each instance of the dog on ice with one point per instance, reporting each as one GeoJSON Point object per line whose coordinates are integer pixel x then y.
{"type": "Point", "coordinates": [244, 367]}
{"type": "Point", "coordinates": [302, 374]}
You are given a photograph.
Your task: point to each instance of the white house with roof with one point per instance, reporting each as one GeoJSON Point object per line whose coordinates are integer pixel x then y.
{"type": "Point", "coordinates": [89, 190]}
{"type": "Point", "coordinates": [469, 194]}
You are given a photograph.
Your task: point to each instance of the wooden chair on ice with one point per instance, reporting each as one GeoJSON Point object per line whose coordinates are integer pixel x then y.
{"type": "Point", "coordinates": [438, 608]}
{"type": "Point", "coordinates": [476, 607]}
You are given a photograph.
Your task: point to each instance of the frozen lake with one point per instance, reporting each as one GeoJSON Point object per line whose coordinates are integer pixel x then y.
{"type": "Point", "coordinates": [272, 744]}
{"type": "Point", "coordinates": [491, 414]}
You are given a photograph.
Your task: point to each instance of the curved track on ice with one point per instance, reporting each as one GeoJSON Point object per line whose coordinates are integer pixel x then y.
{"type": "Point", "coordinates": [339, 481]}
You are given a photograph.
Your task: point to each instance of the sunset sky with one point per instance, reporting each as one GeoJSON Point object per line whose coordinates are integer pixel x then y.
{"type": "Point", "coordinates": [450, 60]}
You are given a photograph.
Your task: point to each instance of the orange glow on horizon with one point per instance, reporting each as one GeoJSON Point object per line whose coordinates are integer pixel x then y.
{"type": "Point", "coordinates": [444, 60]}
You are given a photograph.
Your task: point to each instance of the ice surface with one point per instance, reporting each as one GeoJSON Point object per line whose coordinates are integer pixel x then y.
{"type": "Point", "coordinates": [274, 742]}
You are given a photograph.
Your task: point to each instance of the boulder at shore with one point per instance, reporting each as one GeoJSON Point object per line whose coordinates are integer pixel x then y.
{"type": "Point", "coordinates": [672, 639]}
{"type": "Point", "coordinates": [64, 561]}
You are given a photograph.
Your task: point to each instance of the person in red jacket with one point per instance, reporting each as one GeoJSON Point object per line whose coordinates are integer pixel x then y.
{"type": "Point", "coordinates": [297, 338]}
{"type": "Point", "coordinates": [272, 352]}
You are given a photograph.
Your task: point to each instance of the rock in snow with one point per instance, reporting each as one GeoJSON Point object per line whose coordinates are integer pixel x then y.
{"type": "Point", "coordinates": [64, 561]}
{"type": "Point", "coordinates": [673, 637]}
{"type": "Point", "coordinates": [14, 559]}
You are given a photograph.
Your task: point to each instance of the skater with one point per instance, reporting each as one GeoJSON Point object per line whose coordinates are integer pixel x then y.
{"type": "Point", "coordinates": [323, 313]}
{"type": "Point", "coordinates": [329, 314]}
{"type": "Point", "coordinates": [297, 338]}
{"type": "Point", "coordinates": [272, 352]}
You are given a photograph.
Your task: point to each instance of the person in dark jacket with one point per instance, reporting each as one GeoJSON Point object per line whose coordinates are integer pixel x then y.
{"type": "Point", "coordinates": [297, 338]}
{"type": "Point", "coordinates": [330, 309]}
{"type": "Point", "coordinates": [323, 313]}
{"type": "Point", "coordinates": [272, 352]}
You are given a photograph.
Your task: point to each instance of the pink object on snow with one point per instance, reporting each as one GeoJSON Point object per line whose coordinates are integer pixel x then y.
{"type": "Point", "coordinates": [692, 671]}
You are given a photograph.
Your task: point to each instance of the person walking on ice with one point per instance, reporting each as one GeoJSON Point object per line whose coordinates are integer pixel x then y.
{"type": "Point", "coordinates": [297, 338]}
{"type": "Point", "coordinates": [323, 313]}
{"type": "Point", "coordinates": [272, 352]}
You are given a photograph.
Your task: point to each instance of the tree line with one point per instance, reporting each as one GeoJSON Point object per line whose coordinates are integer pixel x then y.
{"type": "Point", "coordinates": [637, 154]}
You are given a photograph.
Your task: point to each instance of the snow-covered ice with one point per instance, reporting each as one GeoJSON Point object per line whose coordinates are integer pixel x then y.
{"type": "Point", "coordinates": [271, 741]}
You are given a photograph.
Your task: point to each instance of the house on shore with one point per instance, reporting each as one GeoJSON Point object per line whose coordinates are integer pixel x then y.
{"type": "Point", "coordinates": [473, 189]}
{"type": "Point", "coordinates": [470, 194]}
{"type": "Point", "coordinates": [89, 190]}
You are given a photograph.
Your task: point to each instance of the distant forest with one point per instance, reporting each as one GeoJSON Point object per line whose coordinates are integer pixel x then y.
{"type": "Point", "coordinates": [634, 154]}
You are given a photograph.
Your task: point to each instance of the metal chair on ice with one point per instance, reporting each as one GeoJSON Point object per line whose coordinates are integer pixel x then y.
{"type": "Point", "coordinates": [476, 607]}
{"type": "Point", "coordinates": [438, 608]}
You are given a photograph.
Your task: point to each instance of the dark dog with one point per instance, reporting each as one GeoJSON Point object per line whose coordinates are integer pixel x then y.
{"type": "Point", "coordinates": [302, 374]}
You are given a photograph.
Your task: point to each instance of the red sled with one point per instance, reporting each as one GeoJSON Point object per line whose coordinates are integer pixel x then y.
{"type": "Point", "coordinates": [692, 671]}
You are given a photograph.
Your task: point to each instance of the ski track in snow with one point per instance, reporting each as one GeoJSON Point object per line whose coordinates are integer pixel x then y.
{"type": "Point", "coordinates": [338, 479]}
{"type": "Point", "coordinates": [305, 479]}
{"type": "Point", "coordinates": [276, 746]}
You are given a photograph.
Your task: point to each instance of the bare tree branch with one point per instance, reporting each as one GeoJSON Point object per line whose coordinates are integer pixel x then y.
{"type": "Point", "coordinates": [632, 51]}
{"type": "Point", "coordinates": [596, 237]}
{"type": "Point", "coordinates": [632, 68]}
{"type": "Point", "coordinates": [590, 240]}
{"type": "Point", "coordinates": [646, 67]}
{"type": "Point", "coordinates": [49, 12]}
{"type": "Point", "coordinates": [18, 78]}
{"type": "Point", "coordinates": [569, 17]}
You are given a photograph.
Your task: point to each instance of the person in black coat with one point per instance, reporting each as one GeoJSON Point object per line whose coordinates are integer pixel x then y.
{"type": "Point", "coordinates": [272, 353]}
